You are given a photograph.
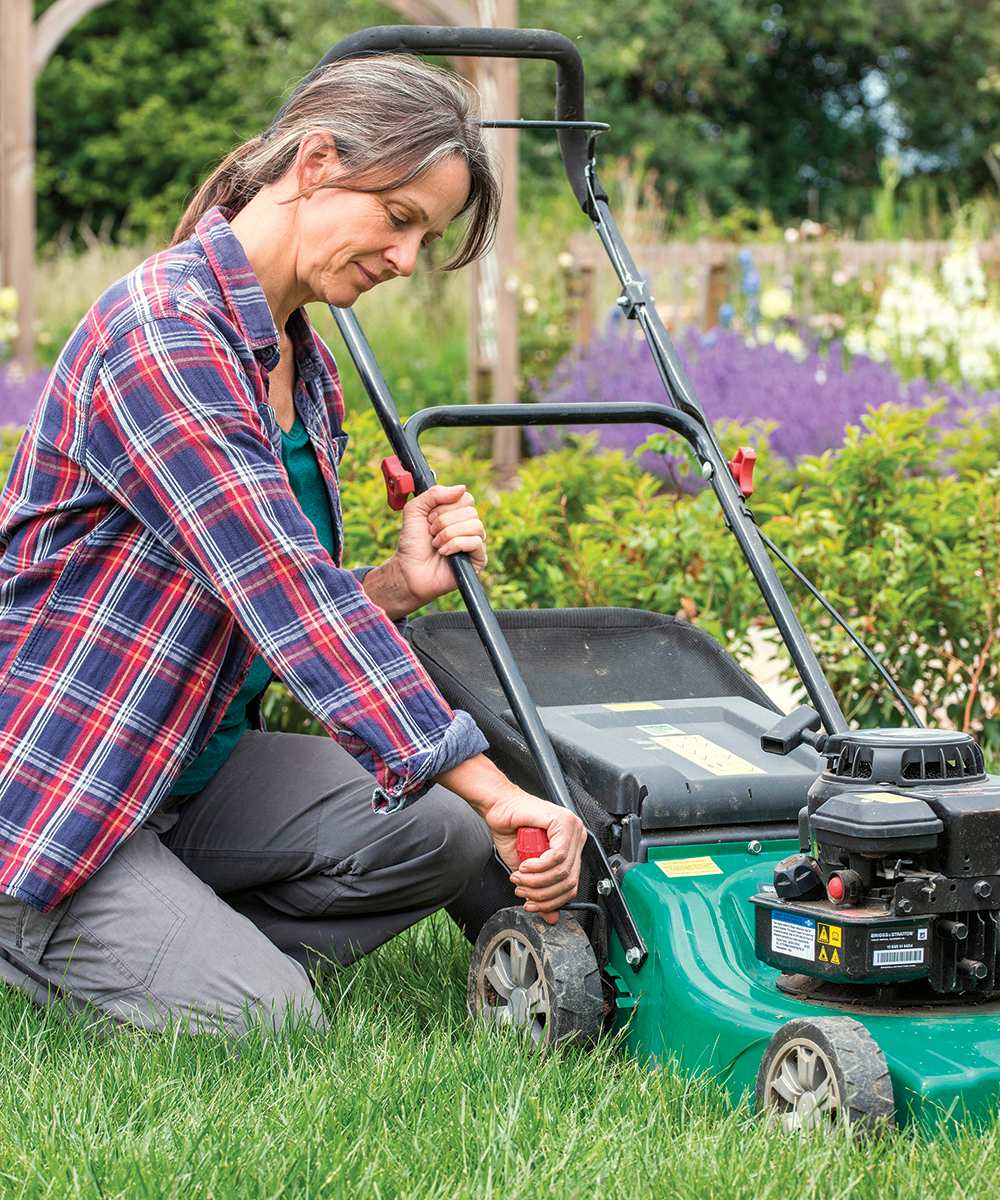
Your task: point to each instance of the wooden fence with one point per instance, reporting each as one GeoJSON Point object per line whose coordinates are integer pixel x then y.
{"type": "Point", "coordinates": [690, 281]}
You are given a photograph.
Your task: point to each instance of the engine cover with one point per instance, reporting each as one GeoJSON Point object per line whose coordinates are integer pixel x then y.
{"type": "Point", "coordinates": [898, 875]}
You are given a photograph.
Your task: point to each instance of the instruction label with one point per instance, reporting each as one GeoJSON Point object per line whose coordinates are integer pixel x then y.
{"type": "Point", "coordinates": [831, 935]}
{"type": "Point", "coordinates": [684, 868]}
{"type": "Point", "coordinates": [793, 935]}
{"type": "Point", "coordinates": [659, 730]}
{"type": "Point", "coordinates": [897, 947]}
{"type": "Point", "coordinates": [707, 755]}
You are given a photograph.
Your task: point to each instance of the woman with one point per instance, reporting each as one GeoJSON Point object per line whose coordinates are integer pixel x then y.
{"type": "Point", "coordinates": [171, 540]}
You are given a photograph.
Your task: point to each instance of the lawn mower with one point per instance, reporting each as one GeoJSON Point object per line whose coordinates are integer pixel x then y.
{"type": "Point", "coordinates": [807, 913]}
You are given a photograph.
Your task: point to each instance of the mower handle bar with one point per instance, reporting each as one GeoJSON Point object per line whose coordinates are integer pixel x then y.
{"type": "Point", "coordinates": [470, 42]}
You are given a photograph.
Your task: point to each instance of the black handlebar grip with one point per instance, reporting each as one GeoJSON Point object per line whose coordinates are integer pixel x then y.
{"type": "Point", "coordinates": [488, 43]}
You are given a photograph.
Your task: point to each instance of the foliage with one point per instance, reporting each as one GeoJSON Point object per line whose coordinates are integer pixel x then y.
{"type": "Point", "coordinates": [740, 106]}
{"type": "Point", "coordinates": [785, 106]}
{"type": "Point", "coordinates": [143, 97]}
{"type": "Point", "coordinates": [909, 551]}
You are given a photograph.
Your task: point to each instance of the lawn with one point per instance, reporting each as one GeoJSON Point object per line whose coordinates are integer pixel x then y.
{"type": "Point", "coordinates": [401, 1099]}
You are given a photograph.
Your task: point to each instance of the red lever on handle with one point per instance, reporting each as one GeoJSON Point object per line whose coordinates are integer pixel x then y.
{"type": "Point", "coordinates": [531, 842]}
{"type": "Point", "coordinates": [398, 483]}
{"type": "Point", "coordinates": [742, 468]}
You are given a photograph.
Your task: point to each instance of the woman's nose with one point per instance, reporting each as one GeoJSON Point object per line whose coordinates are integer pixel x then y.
{"type": "Point", "coordinates": [402, 255]}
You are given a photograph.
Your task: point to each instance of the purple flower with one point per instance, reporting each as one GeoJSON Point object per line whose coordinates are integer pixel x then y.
{"type": "Point", "coordinates": [19, 393]}
{"type": "Point", "coordinates": [810, 402]}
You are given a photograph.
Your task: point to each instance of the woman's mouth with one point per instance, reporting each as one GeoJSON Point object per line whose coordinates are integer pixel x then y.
{"type": "Point", "coordinates": [369, 279]}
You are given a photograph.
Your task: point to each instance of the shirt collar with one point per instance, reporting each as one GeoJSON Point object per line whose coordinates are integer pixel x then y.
{"type": "Point", "coordinates": [246, 300]}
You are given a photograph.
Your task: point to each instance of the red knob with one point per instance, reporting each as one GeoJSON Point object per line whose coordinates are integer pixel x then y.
{"type": "Point", "coordinates": [398, 483]}
{"type": "Point", "coordinates": [835, 888]}
{"type": "Point", "coordinates": [531, 842]}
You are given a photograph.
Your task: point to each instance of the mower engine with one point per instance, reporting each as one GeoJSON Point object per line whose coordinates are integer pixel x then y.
{"type": "Point", "coordinates": [898, 875]}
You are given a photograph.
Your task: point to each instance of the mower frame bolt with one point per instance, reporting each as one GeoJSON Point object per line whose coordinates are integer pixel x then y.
{"type": "Point", "coordinates": [982, 890]}
{"type": "Point", "coordinates": [632, 955]}
{"type": "Point", "coordinates": [904, 906]}
{"type": "Point", "coordinates": [604, 887]}
{"type": "Point", "coordinates": [754, 847]}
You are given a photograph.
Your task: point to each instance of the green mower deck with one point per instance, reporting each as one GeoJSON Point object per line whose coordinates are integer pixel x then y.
{"type": "Point", "coordinates": [704, 1000]}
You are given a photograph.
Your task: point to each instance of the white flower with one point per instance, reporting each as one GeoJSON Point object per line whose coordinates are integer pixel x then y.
{"type": "Point", "coordinates": [775, 303]}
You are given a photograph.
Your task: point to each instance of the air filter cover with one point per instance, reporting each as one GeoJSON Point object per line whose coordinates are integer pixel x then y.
{"type": "Point", "coordinates": [876, 823]}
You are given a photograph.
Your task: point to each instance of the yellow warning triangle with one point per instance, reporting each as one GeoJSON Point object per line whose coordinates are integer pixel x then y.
{"type": "Point", "coordinates": [835, 957]}
{"type": "Point", "coordinates": [823, 934]}
{"type": "Point", "coordinates": [822, 954]}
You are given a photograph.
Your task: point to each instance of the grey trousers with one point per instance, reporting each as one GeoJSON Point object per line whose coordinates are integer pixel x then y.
{"type": "Point", "coordinates": [210, 915]}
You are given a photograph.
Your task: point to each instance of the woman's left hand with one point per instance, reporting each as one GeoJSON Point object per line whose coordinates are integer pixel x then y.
{"type": "Point", "coordinates": [436, 524]}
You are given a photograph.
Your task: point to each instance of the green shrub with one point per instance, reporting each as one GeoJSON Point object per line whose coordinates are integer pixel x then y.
{"type": "Point", "coordinates": [899, 528]}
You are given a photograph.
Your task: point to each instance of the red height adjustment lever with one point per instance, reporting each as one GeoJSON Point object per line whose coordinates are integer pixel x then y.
{"type": "Point", "coordinates": [742, 468]}
{"type": "Point", "coordinates": [531, 842]}
{"type": "Point", "coordinates": [398, 482]}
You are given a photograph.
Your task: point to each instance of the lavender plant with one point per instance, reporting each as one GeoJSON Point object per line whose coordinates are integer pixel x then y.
{"type": "Point", "coordinates": [19, 393]}
{"type": "Point", "coordinates": [804, 403]}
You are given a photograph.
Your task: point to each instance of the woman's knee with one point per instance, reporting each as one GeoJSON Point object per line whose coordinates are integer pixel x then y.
{"type": "Point", "coordinates": [465, 845]}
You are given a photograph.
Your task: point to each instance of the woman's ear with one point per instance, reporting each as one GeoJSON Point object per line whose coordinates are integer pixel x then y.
{"type": "Point", "coordinates": [316, 162]}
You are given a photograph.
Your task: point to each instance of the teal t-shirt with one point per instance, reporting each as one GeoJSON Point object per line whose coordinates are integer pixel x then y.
{"type": "Point", "coordinates": [309, 488]}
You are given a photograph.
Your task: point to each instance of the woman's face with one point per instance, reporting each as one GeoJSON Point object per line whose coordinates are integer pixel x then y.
{"type": "Point", "coordinates": [350, 241]}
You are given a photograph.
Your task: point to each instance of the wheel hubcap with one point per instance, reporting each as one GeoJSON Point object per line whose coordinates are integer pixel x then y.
{"type": "Point", "coordinates": [512, 987]}
{"type": "Point", "coordinates": [802, 1088]}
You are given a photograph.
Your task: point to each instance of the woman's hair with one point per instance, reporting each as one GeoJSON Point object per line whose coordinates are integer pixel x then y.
{"type": "Point", "coordinates": [390, 119]}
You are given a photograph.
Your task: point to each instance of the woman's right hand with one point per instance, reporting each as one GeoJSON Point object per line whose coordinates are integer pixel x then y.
{"type": "Point", "coordinates": [546, 883]}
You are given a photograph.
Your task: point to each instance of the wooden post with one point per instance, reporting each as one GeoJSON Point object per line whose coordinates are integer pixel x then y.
{"type": "Point", "coordinates": [25, 48]}
{"type": "Point", "coordinates": [498, 283]}
{"type": "Point", "coordinates": [716, 293]}
{"type": "Point", "coordinates": [18, 169]}
{"type": "Point", "coordinates": [493, 301]}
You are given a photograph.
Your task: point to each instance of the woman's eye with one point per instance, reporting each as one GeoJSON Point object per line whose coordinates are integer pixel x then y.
{"type": "Point", "coordinates": [397, 221]}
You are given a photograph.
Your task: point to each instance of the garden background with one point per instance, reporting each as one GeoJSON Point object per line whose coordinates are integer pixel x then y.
{"type": "Point", "coordinates": [775, 140]}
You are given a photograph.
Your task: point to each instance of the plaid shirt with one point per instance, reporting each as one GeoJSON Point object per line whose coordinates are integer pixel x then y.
{"type": "Point", "coordinates": [150, 546]}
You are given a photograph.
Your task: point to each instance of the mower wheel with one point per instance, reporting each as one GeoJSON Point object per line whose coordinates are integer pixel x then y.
{"type": "Point", "coordinates": [539, 977]}
{"type": "Point", "coordinates": [825, 1073]}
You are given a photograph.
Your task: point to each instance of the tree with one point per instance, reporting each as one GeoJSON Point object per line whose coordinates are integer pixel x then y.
{"type": "Point", "coordinates": [765, 103]}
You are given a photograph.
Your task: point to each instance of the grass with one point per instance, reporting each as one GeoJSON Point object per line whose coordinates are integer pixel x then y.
{"type": "Point", "coordinates": [401, 1100]}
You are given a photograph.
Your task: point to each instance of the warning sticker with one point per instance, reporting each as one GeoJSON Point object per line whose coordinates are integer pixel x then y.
{"type": "Point", "coordinates": [793, 935]}
{"type": "Point", "coordinates": [886, 797]}
{"type": "Point", "coordinates": [707, 755]}
{"type": "Point", "coordinates": [659, 730]}
{"type": "Point", "coordinates": [829, 954]}
{"type": "Point", "coordinates": [831, 935]}
{"type": "Point", "coordinates": [634, 706]}
{"type": "Point", "coordinates": [897, 947]}
{"type": "Point", "coordinates": [681, 868]}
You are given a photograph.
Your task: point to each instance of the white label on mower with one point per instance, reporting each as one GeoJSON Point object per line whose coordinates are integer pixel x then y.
{"type": "Point", "coordinates": [633, 706]}
{"type": "Point", "coordinates": [659, 730]}
{"type": "Point", "coordinates": [707, 755]}
{"type": "Point", "coordinates": [898, 958]}
{"type": "Point", "coordinates": [793, 935]}
{"type": "Point", "coordinates": [897, 947]}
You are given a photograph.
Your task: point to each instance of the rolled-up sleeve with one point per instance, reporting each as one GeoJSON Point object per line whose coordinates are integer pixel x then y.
{"type": "Point", "coordinates": [176, 435]}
